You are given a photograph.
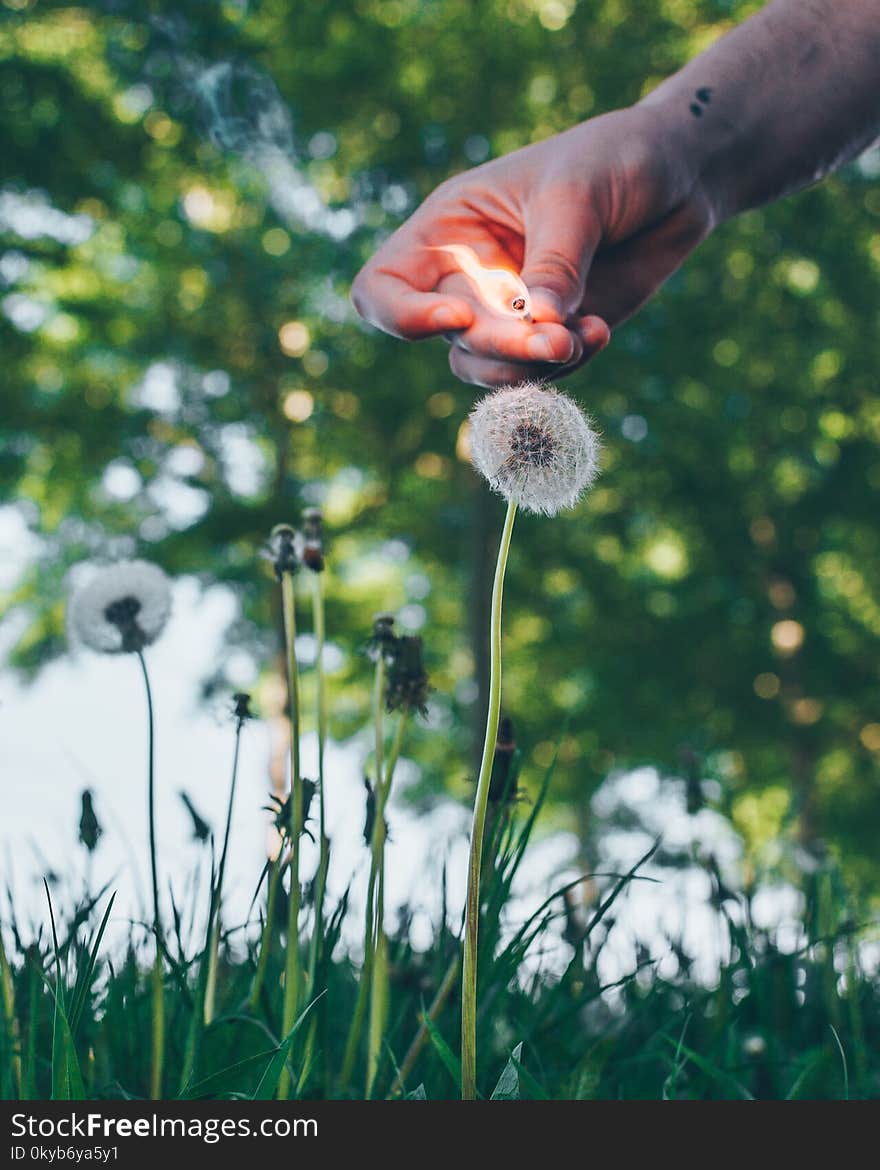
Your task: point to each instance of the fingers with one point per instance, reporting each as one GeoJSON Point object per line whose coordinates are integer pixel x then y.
{"type": "Point", "coordinates": [594, 333]}
{"type": "Point", "coordinates": [518, 341]}
{"type": "Point", "coordinates": [392, 304]}
{"type": "Point", "coordinates": [589, 336]}
{"type": "Point", "coordinates": [559, 245]}
{"type": "Point", "coordinates": [413, 288]}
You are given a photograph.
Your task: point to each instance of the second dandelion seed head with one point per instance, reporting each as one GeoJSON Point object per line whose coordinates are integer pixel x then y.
{"type": "Point", "coordinates": [534, 446]}
{"type": "Point", "coordinates": [120, 608]}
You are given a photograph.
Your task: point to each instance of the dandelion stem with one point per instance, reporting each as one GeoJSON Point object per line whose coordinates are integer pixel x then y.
{"type": "Point", "coordinates": [379, 982]}
{"type": "Point", "coordinates": [292, 973]}
{"type": "Point", "coordinates": [151, 795]}
{"type": "Point", "coordinates": [320, 697]}
{"type": "Point", "coordinates": [158, 991]}
{"type": "Point", "coordinates": [315, 956]}
{"type": "Point", "coordinates": [472, 905]}
{"type": "Point", "coordinates": [357, 1020]}
{"type": "Point", "coordinates": [266, 935]}
{"type": "Point", "coordinates": [321, 718]}
{"type": "Point", "coordinates": [217, 894]}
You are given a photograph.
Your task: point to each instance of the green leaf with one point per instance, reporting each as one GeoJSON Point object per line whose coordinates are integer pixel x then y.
{"type": "Point", "coordinates": [450, 1061]}
{"type": "Point", "coordinates": [226, 1079]}
{"type": "Point", "coordinates": [418, 1094]}
{"type": "Point", "coordinates": [711, 1070]}
{"type": "Point", "coordinates": [536, 1090]}
{"type": "Point", "coordinates": [67, 1082]}
{"type": "Point", "coordinates": [843, 1062]}
{"type": "Point", "coordinates": [84, 983]}
{"type": "Point", "coordinates": [507, 1088]}
{"type": "Point", "coordinates": [792, 1094]}
{"type": "Point", "coordinates": [268, 1082]}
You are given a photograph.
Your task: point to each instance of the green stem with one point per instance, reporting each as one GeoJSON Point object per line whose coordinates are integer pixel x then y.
{"type": "Point", "coordinates": [217, 894]}
{"type": "Point", "coordinates": [266, 935]}
{"type": "Point", "coordinates": [321, 717]}
{"type": "Point", "coordinates": [151, 796]}
{"type": "Point", "coordinates": [357, 1020]}
{"type": "Point", "coordinates": [420, 1039]}
{"type": "Point", "coordinates": [472, 904]}
{"type": "Point", "coordinates": [379, 984]}
{"type": "Point", "coordinates": [158, 1015]}
{"type": "Point", "coordinates": [158, 991]}
{"type": "Point", "coordinates": [320, 1013]}
{"type": "Point", "coordinates": [7, 994]}
{"type": "Point", "coordinates": [292, 972]}
{"type": "Point", "coordinates": [320, 697]}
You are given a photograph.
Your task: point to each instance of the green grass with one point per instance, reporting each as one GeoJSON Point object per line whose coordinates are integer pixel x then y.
{"type": "Point", "coordinates": [777, 1025]}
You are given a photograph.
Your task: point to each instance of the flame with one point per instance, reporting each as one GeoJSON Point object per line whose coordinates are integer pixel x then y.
{"type": "Point", "coordinates": [501, 290]}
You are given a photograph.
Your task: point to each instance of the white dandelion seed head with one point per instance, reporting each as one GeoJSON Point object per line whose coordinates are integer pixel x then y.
{"type": "Point", "coordinates": [535, 447]}
{"type": "Point", "coordinates": [120, 608]}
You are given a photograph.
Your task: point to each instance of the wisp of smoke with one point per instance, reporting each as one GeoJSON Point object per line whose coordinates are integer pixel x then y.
{"type": "Point", "coordinates": [244, 114]}
{"type": "Point", "coordinates": [241, 112]}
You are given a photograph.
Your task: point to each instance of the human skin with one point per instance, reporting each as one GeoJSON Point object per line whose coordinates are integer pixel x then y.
{"type": "Point", "coordinates": [597, 218]}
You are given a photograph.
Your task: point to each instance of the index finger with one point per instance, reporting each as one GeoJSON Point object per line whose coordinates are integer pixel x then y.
{"type": "Point", "coordinates": [391, 299]}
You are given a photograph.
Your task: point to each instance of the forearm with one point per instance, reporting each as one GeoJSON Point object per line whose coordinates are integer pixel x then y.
{"type": "Point", "coordinates": [778, 103]}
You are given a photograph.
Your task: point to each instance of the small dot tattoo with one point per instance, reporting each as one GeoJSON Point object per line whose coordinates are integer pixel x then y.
{"type": "Point", "coordinates": [696, 110]}
{"type": "Point", "coordinates": [704, 95]}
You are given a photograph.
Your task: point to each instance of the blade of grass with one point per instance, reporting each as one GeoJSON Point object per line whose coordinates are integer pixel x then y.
{"type": "Point", "coordinates": [842, 1061]}
{"type": "Point", "coordinates": [792, 1093]}
{"type": "Point", "coordinates": [7, 993]}
{"type": "Point", "coordinates": [535, 1088]}
{"type": "Point", "coordinates": [450, 1061]}
{"type": "Point", "coordinates": [716, 1074]}
{"type": "Point", "coordinates": [224, 1078]}
{"type": "Point", "coordinates": [85, 983]}
{"type": "Point", "coordinates": [269, 1081]}
{"type": "Point", "coordinates": [507, 1088]}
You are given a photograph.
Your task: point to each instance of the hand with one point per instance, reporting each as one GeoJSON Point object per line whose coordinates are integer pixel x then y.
{"type": "Point", "coordinates": [595, 220]}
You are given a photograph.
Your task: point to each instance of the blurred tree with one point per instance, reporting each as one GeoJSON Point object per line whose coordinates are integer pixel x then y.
{"type": "Point", "coordinates": [181, 370]}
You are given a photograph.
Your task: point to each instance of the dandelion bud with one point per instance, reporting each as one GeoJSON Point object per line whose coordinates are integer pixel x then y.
{"type": "Point", "coordinates": [369, 811]}
{"type": "Point", "coordinates": [282, 550]}
{"type": "Point", "coordinates": [534, 446]}
{"type": "Point", "coordinates": [242, 706]}
{"type": "Point", "coordinates": [90, 830]}
{"type": "Point", "coordinates": [313, 523]}
{"type": "Point", "coordinates": [407, 685]}
{"type": "Point", "coordinates": [281, 809]}
{"type": "Point", "coordinates": [201, 830]}
{"type": "Point", "coordinates": [383, 639]}
{"type": "Point", "coordinates": [120, 608]}
{"type": "Point", "coordinates": [312, 553]}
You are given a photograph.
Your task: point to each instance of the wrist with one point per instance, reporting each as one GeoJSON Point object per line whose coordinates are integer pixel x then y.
{"type": "Point", "coordinates": [694, 158]}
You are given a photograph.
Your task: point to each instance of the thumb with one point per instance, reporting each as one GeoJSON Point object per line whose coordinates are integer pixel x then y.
{"type": "Point", "coordinates": [559, 247]}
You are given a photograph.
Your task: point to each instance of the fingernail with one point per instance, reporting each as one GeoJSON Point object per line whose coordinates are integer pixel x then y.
{"type": "Point", "coordinates": [540, 347]}
{"type": "Point", "coordinates": [547, 302]}
{"type": "Point", "coordinates": [445, 317]}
